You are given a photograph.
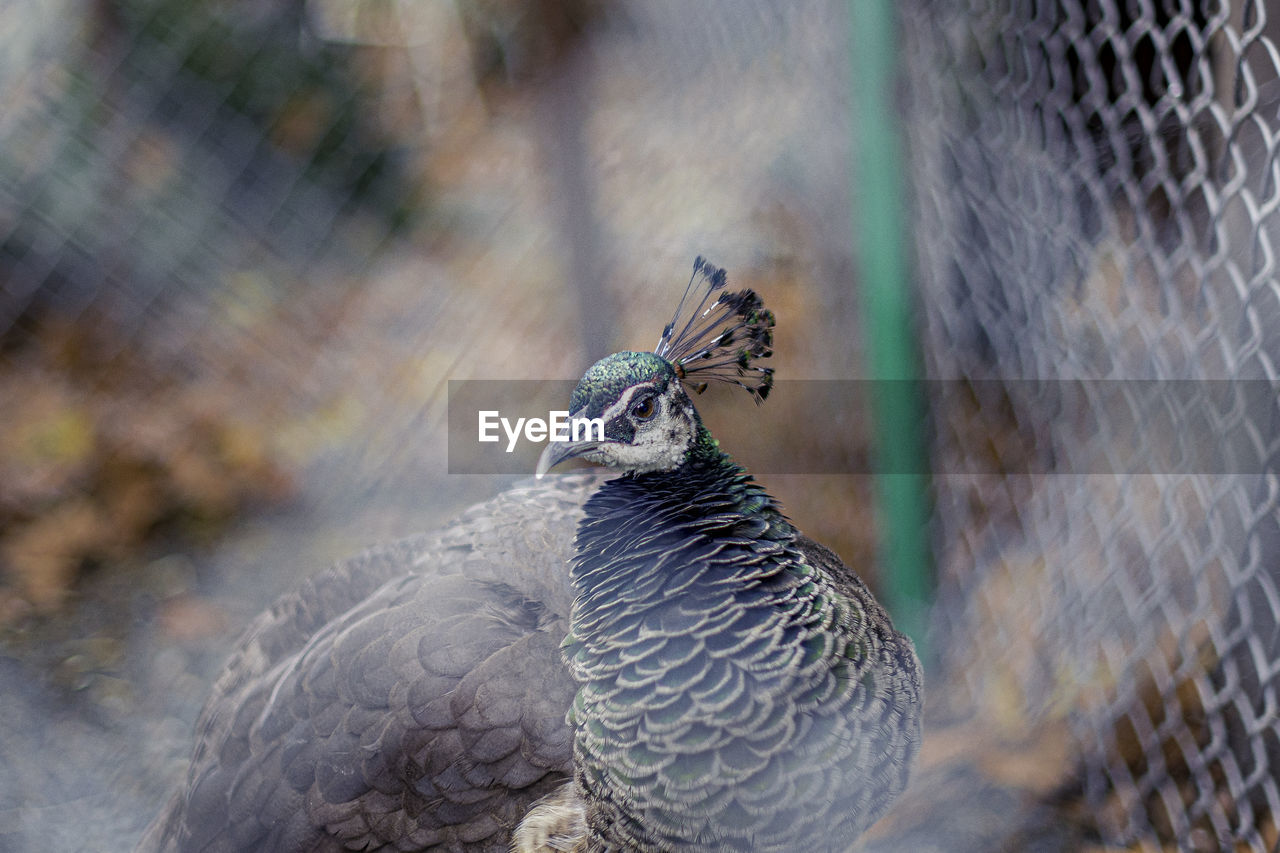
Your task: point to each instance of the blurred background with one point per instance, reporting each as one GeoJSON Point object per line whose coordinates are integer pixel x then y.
{"type": "Point", "coordinates": [245, 246]}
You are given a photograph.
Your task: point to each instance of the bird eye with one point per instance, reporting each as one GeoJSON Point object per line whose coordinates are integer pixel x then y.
{"type": "Point", "coordinates": [643, 408]}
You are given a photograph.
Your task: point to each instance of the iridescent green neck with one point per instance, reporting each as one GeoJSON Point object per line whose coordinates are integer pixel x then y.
{"type": "Point", "coordinates": [705, 450]}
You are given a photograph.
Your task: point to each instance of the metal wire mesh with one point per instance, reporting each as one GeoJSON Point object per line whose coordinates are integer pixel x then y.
{"type": "Point", "coordinates": [1095, 190]}
{"type": "Point", "coordinates": [165, 145]}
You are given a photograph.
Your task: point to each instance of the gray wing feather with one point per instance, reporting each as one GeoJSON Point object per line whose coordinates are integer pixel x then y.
{"type": "Point", "coordinates": [411, 697]}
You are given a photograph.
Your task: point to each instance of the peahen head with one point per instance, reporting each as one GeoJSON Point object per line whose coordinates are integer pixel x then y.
{"type": "Point", "coordinates": [650, 423]}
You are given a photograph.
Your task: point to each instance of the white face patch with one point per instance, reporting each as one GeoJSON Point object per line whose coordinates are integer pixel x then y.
{"type": "Point", "coordinates": [624, 402]}
{"type": "Point", "coordinates": [660, 443]}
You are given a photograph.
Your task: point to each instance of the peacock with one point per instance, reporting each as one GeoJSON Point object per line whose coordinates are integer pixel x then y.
{"type": "Point", "coordinates": [650, 659]}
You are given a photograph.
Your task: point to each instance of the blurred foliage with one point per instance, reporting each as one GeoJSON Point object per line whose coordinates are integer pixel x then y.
{"type": "Point", "coordinates": [317, 101]}
{"type": "Point", "coordinates": [175, 142]}
{"type": "Point", "coordinates": [514, 41]}
{"type": "Point", "coordinates": [101, 452]}
{"type": "Point", "coordinates": [174, 139]}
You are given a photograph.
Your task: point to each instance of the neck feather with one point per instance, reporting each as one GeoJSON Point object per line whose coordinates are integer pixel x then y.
{"type": "Point", "coordinates": [664, 522]}
{"type": "Point", "coordinates": [694, 615]}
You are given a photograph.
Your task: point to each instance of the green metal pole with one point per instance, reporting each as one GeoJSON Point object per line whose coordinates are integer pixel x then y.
{"type": "Point", "coordinates": [898, 406]}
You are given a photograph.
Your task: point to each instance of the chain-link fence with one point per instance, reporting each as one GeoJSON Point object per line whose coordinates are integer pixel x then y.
{"type": "Point", "coordinates": [175, 179]}
{"type": "Point", "coordinates": [159, 146]}
{"type": "Point", "coordinates": [1097, 217]}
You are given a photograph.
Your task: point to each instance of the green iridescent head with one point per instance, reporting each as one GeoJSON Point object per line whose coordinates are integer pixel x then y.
{"type": "Point", "coordinates": [607, 379]}
{"type": "Point", "coordinates": [641, 417]}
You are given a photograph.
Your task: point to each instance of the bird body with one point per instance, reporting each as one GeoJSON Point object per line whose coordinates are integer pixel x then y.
{"type": "Point", "coordinates": [658, 661]}
{"type": "Point", "coordinates": [734, 693]}
{"type": "Point", "coordinates": [411, 698]}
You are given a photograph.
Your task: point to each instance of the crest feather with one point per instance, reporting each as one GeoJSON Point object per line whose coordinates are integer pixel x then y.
{"type": "Point", "coordinates": [719, 342]}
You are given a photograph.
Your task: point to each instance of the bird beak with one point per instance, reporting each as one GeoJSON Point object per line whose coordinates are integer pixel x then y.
{"type": "Point", "coordinates": [558, 451]}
